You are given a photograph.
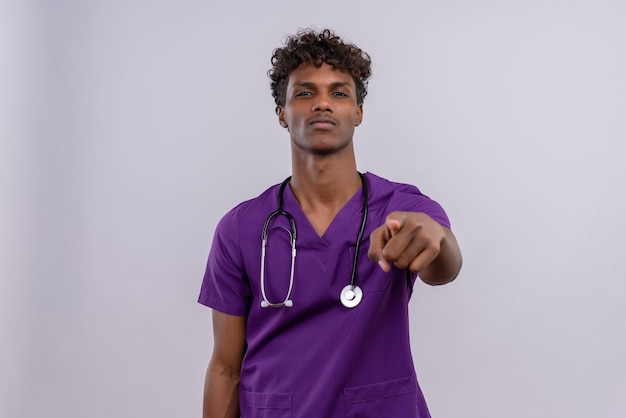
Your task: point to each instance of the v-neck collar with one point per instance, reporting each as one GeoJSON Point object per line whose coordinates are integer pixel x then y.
{"type": "Point", "coordinates": [336, 229]}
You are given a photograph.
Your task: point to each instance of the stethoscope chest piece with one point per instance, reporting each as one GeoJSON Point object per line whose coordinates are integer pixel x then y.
{"type": "Point", "coordinates": [351, 296]}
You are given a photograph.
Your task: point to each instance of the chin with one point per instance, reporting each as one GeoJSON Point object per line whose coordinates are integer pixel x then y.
{"type": "Point", "coordinates": [323, 147]}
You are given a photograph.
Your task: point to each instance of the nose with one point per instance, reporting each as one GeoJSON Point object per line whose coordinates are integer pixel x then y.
{"type": "Point", "coordinates": [322, 104]}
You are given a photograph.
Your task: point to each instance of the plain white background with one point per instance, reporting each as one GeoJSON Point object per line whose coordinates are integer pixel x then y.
{"type": "Point", "coordinates": [129, 127]}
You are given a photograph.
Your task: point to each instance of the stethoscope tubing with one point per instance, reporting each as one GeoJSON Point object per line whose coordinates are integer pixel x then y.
{"type": "Point", "coordinates": [357, 248]}
{"type": "Point", "coordinates": [287, 302]}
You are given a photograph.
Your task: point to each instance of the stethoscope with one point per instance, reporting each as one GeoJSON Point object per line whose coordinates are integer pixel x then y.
{"type": "Point", "coordinates": [351, 295]}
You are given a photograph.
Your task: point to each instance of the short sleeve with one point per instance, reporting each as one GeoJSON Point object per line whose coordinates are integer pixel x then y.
{"type": "Point", "coordinates": [390, 196]}
{"type": "Point", "coordinates": [421, 203]}
{"type": "Point", "coordinates": [415, 201]}
{"type": "Point", "coordinates": [225, 286]}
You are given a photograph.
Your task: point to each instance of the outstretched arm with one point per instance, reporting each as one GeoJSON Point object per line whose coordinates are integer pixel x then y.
{"type": "Point", "coordinates": [415, 241]}
{"type": "Point", "coordinates": [221, 388]}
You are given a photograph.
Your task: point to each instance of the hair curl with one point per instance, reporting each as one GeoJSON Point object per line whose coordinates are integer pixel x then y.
{"type": "Point", "coordinates": [308, 46]}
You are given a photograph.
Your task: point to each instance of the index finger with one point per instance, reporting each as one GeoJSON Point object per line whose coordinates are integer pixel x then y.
{"type": "Point", "coordinates": [394, 222]}
{"type": "Point", "coordinates": [378, 239]}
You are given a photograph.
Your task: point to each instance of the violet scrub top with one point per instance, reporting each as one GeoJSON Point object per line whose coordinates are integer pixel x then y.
{"type": "Point", "coordinates": [319, 359]}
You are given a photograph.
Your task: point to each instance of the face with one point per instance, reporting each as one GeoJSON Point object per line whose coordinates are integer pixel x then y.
{"type": "Point", "coordinates": [320, 109]}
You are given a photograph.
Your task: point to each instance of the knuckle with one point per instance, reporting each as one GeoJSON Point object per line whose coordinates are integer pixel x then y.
{"type": "Point", "coordinates": [402, 264]}
{"type": "Point", "coordinates": [415, 267]}
{"type": "Point", "coordinates": [434, 247]}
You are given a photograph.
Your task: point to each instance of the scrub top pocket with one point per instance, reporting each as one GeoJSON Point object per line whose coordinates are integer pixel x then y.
{"type": "Point", "coordinates": [391, 399]}
{"type": "Point", "coordinates": [265, 405]}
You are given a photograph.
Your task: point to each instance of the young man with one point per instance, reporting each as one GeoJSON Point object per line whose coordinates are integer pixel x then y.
{"type": "Point", "coordinates": [310, 281]}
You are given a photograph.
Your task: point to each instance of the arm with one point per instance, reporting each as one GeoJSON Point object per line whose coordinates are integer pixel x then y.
{"type": "Point", "coordinates": [415, 241]}
{"type": "Point", "coordinates": [447, 264]}
{"type": "Point", "coordinates": [221, 388]}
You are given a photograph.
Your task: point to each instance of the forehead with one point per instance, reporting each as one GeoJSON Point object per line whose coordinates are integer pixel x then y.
{"type": "Point", "coordinates": [324, 75]}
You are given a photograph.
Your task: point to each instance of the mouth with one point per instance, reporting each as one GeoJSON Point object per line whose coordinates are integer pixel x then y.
{"type": "Point", "coordinates": [323, 123]}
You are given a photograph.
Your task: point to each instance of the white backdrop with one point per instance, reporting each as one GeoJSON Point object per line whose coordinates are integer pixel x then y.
{"type": "Point", "coordinates": [129, 127]}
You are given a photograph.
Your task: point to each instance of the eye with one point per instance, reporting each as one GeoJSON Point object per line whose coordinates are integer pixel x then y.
{"type": "Point", "coordinates": [340, 94]}
{"type": "Point", "coordinates": [303, 93]}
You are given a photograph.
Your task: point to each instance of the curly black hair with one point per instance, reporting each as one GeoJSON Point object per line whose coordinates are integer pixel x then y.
{"type": "Point", "coordinates": [308, 46]}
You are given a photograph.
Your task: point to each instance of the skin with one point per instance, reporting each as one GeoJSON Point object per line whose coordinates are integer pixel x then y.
{"type": "Point", "coordinates": [321, 113]}
{"type": "Point", "coordinates": [221, 387]}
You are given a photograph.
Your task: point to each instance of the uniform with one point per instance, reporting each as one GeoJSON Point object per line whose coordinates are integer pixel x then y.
{"type": "Point", "coordinates": [319, 358]}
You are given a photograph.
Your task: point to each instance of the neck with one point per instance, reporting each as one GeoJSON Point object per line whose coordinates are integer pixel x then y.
{"type": "Point", "coordinates": [324, 185]}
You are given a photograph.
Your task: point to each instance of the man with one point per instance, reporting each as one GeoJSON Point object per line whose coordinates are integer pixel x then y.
{"type": "Point", "coordinates": [313, 323]}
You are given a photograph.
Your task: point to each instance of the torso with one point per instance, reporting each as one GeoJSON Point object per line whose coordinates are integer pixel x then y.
{"type": "Point", "coordinates": [319, 358]}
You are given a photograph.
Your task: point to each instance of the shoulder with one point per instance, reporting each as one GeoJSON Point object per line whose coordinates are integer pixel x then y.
{"type": "Point", "coordinates": [394, 196]}
{"type": "Point", "coordinates": [245, 220]}
{"type": "Point", "coordinates": [235, 229]}
{"type": "Point", "coordinates": [379, 183]}
{"type": "Point", "coordinates": [252, 209]}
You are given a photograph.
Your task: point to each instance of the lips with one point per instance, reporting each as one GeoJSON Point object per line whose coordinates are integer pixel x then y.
{"type": "Point", "coordinates": [323, 122]}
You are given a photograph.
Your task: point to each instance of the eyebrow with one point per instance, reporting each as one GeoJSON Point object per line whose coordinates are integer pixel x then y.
{"type": "Point", "coordinates": [334, 85]}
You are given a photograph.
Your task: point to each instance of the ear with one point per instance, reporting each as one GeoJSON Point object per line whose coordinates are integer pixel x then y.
{"type": "Point", "coordinates": [281, 117]}
{"type": "Point", "coordinates": [359, 115]}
